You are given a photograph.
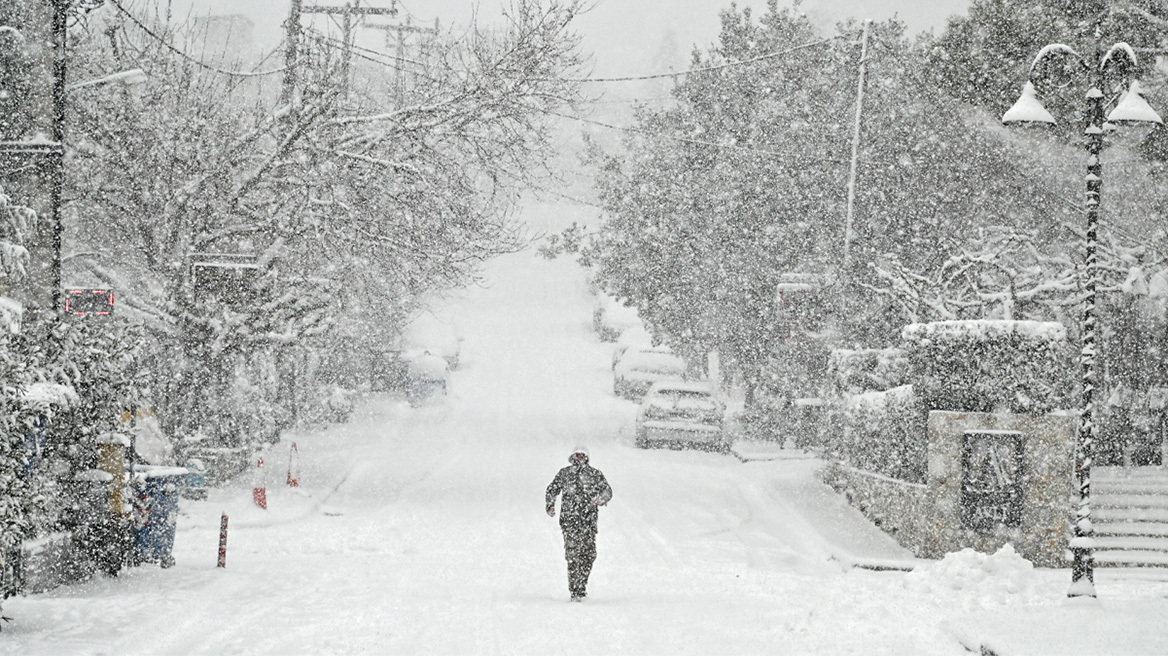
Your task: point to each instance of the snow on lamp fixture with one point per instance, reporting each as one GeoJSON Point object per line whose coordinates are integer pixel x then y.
{"type": "Point", "coordinates": [1133, 108]}
{"type": "Point", "coordinates": [1028, 109]}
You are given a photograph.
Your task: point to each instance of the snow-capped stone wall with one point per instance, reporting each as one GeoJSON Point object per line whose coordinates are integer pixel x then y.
{"type": "Point", "coordinates": [928, 519]}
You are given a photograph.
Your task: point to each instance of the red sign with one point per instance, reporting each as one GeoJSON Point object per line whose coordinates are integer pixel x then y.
{"type": "Point", "coordinates": [82, 302]}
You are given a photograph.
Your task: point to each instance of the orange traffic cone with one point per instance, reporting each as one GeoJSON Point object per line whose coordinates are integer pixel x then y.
{"type": "Point", "coordinates": [294, 466]}
{"type": "Point", "coordinates": [259, 493]}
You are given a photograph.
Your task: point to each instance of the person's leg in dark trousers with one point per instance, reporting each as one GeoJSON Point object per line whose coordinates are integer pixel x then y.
{"type": "Point", "coordinates": [580, 552]}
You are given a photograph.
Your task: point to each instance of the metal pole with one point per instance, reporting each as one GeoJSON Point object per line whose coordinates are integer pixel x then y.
{"type": "Point", "coordinates": [1082, 546]}
{"type": "Point", "coordinates": [855, 150]}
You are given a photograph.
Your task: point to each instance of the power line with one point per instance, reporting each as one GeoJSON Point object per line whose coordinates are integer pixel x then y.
{"type": "Point", "coordinates": [117, 5]}
{"type": "Point", "coordinates": [377, 53]}
{"type": "Point", "coordinates": [696, 142]}
{"type": "Point", "coordinates": [741, 62]}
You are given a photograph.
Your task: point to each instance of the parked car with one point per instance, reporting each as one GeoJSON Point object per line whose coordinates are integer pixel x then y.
{"type": "Point", "coordinates": [640, 367]}
{"type": "Point", "coordinates": [610, 317]}
{"type": "Point", "coordinates": [427, 379]}
{"type": "Point", "coordinates": [428, 333]}
{"type": "Point", "coordinates": [682, 413]}
{"type": "Point", "coordinates": [633, 337]}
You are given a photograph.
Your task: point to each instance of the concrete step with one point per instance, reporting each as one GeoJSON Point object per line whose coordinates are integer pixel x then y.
{"type": "Point", "coordinates": [1128, 500]}
{"type": "Point", "coordinates": [1106, 515]}
{"type": "Point", "coordinates": [1111, 472]}
{"type": "Point", "coordinates": [1135, 558]}
{"type": "Point", "coordinates": [1131, 543]}
{"type": "Point", "coordinates": [1129, 487]}
{"type": "Point", "coordinates": [1132, 529]}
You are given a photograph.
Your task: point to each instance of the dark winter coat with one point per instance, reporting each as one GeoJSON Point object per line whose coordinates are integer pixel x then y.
{"type": "Point", "coordinates": [580, 485]}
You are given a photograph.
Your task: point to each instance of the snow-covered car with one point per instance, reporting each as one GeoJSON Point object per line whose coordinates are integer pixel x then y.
{"type": "Point", "coordinates": [633, 337]}
{"type": "Point", "coordinates": [683, 413]}
{"type": "Point", "coordinates": [640, 367]}
{"type": "Point", "coordinates": [610, 317]}
{"type": "Point", "coordinates": [429, 333]}
{"type": "Point", "coordinates": [427, 379]}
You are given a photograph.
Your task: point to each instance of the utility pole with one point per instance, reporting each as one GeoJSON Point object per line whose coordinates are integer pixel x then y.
{"type": "Point", "coordinates": [400, 49]}
{"type": "Point", "coordinates": [291, 57]}
{"type": "Point", "coordinates": [347, 12]}
{"type": "Point", "coordinates": [56, 184]}
{"type": "Point", "coordinates": [855, 151]}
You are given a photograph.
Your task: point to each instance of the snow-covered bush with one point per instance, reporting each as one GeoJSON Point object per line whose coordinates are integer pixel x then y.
{"type": "Point", "coordinates": [863, 370]}
{"type": "Point", "coordinates": [990, 365]}
{"type": "Point", "coordinates": [872, 420]}
{"type": "Point", "coordinates": [82, 377]}
{"type": "Point", "coordinates": [881, 432]}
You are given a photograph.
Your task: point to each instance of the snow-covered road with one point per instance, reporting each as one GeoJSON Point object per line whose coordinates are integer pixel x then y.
{"type": "Point", "coordinates": [422, 531]}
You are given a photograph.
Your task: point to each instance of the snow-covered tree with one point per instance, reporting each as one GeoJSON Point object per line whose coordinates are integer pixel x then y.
{"type": "Point", "coordinates": [744, 180]}
{"type": "Point", "coordinates": [354, 206]}
{"type": "Point", "coordinates": [19, 501]}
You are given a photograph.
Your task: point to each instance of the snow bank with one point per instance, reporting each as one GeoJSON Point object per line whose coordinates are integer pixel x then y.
{"type": "Point", "coordinates": [970, 580]}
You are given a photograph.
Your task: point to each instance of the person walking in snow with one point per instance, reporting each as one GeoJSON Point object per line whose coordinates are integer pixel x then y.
{"type": "Point", "coordinates": [584, 490]}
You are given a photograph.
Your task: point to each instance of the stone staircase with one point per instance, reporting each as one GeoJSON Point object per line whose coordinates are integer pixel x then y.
{"type": "Point", "coordinates": [1130, 511]}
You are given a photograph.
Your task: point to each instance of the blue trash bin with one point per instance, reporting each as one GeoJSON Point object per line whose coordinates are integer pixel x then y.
{"type": "Point", "coordinates": [196, 481]}
{"type": "Point", "coordinates": [156, 492]}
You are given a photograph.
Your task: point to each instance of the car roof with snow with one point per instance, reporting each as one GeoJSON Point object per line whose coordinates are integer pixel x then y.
{"type": "Point", "coordinates": [650, 359]}
{"type": "Point", "coordinates": [703, 386]}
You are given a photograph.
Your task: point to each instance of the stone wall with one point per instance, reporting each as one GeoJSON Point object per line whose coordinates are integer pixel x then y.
{"type": "Point", "coordinates": [1047, 468]}
{"type": "Point", "coordinates": [928, 519]}
{"type": "Point", "coordinates": [894, 505]}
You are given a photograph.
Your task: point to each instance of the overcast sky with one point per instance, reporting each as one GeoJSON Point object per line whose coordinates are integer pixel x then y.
{"type": "Point", "coordinates": [625, 36]}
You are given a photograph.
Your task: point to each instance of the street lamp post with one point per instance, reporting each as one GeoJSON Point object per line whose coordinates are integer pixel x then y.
{"type": "Point", "coordinates": [1131, 108]}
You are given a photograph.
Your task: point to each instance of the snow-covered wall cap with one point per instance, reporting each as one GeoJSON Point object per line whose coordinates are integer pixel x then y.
{"type": "Point", "coordinates": [113, 438]}
{"type": "Point", "coordinates": [981, 329]}
{"type": "Point", "coordinates": [45, 395]}
{"type": "Point", "coordinates": [94, 476]}
{"type": "Point", "coordinates": [788, 287]}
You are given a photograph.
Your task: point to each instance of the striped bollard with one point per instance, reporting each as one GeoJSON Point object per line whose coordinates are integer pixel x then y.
{"type": "Point", "coordinates": [259, 492]}
{"type": "Point", "coordinates": [223, 541]}
{"type": "Point", "coordinates": [294, 467]}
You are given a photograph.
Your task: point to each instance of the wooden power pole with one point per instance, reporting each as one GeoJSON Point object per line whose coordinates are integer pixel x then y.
{"type": "Point", "coordinates": [400, 48]}
{"type": "Point", "coordinates": [347, 12]}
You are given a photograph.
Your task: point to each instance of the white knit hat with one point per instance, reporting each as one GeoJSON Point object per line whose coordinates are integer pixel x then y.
{"type": "Point", "coordinates": [580, 449]}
